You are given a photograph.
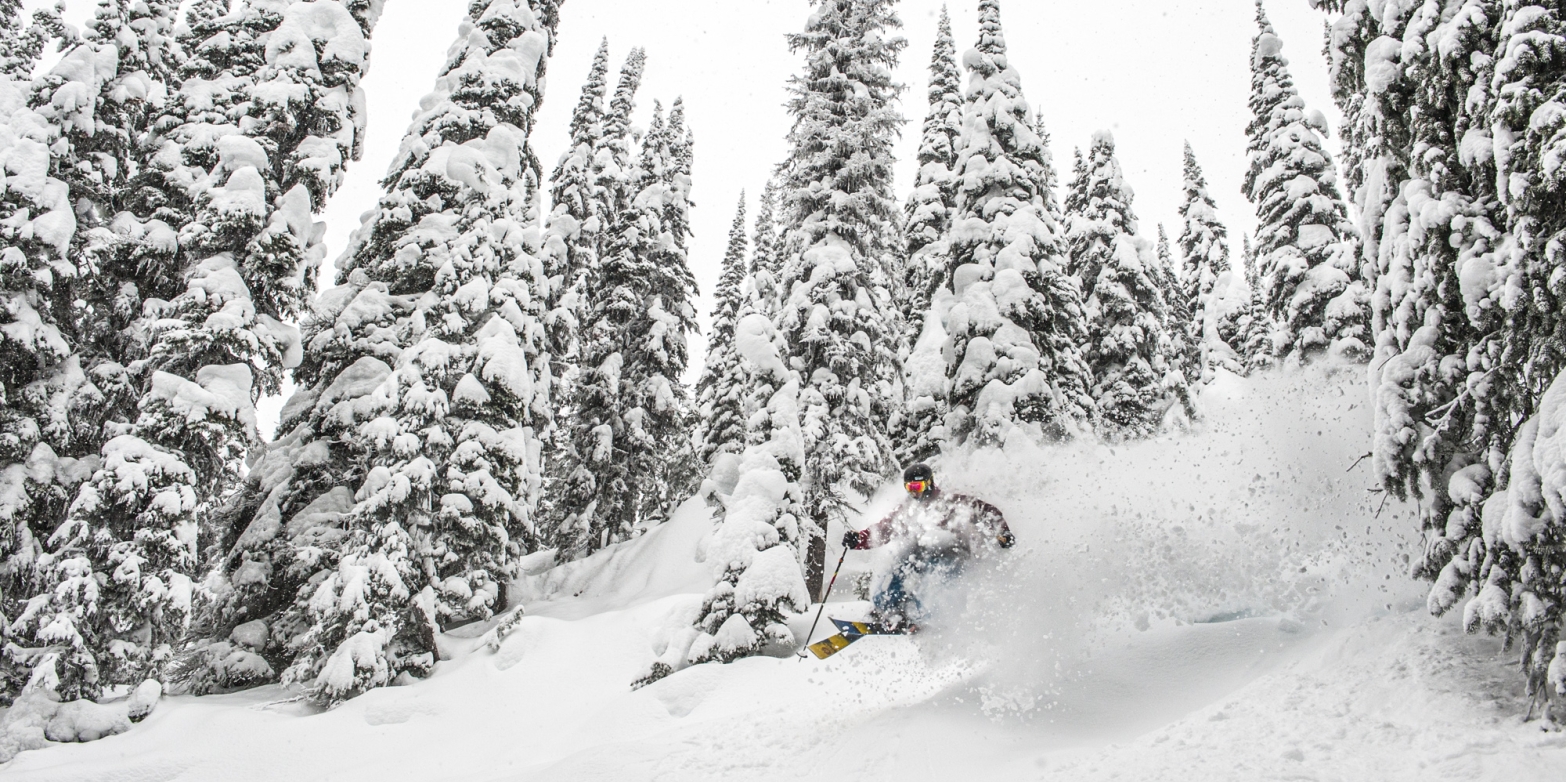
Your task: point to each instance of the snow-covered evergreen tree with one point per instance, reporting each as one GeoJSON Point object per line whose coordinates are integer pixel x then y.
{"type": "Point", "coordinates": [756, 548]}
{"type": "Point", "coordinates": [579, 211]}
{"type": "Point", "coordinates": [164, 416]}
{"type": "Point", "coordinates": [1015, 321]}
{"type": "Point", "coordinates": [719, 392]}
{"type": "Point", "coordinates": [759, 296]}
{"type": "Point", "coordinates": [754, 551]}
{"type": "Point", "coordinates": [109, 589]}
{"type": "Point", "coordinates": [1256, 326]}
{"type": "Point", "coordinates": [1204, 259]}
{"type": "Point", "coordinates": [1117, 268]}
{"type": "Point", "coordinates": [612, 168]}
{"type": "Point", "coordinates": [761, 288]}
{"type": "Point", "coordinates": [841, 234]}
{"type": "Point", "coordinates": [1453, 151]}
{"type": "Point", "coordinates": [929, 206]}
{"type": "Point", "coordinates": [929, 211]}
{"type": "Point", "coordinates": [40, 368]}
{"type": "Point", "coordinates": [1305, 243]}
{"type": "Point", "coordinates": [1181, 358]}
{"type": "Point", "coordinates": [405, 486]}
{"type": "Point", "coordinates": [627, 458]}
{"type": "Point", "coordinates": [20, 44]}
{"type": "Point", "coordinates": [1177, 312]}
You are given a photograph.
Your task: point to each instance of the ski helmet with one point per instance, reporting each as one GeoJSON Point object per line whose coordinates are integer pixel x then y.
{"type": "Point", "coordinates": [918, 479]}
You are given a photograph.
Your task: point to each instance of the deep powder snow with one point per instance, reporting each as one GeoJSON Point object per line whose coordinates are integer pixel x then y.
{"type": "Point", "coordinates": [1223, 604]}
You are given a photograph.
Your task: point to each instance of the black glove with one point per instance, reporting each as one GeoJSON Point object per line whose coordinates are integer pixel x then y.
{"type": "Point", "coordinates": [1006, 539]}
{"type": "Point", "coordinates": [851, 539]}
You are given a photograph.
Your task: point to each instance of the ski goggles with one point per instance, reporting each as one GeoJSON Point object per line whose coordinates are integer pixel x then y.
{"type": "Point", "coordinates": [916, 487]}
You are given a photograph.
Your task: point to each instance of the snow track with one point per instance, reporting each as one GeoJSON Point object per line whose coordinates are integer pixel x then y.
{"type": "Point", "coordinates": [1220, 605]}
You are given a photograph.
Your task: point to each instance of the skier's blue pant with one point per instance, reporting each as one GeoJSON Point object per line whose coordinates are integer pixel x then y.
{"type": "Point", "coordinates": [919, 569]}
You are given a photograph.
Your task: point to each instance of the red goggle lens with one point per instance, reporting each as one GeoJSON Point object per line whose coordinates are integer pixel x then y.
{"type": "Point", "coordinates": [916, 487]}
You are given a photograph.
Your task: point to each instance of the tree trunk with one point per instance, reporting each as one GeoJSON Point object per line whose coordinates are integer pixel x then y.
{"type": "Point", "coordinates": [815, 564]}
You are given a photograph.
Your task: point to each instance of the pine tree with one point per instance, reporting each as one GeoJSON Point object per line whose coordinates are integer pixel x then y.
{"type": "Point", "coordinates": [1256, 326]}
{"type": "Point", "coordinates": [110, 587]}
{"type": "Point", "coordinates": [22, 46]}
{"type": "Point", "coordinates": [1049, 179]}
{"type": "Point", "coordinates": [1204, 258]}
{"type": "Point", "coordinates": [840, 236]}
{"type": "Point", "coordinates": [1015, 323]}
{"type": "Point", "coordinates": [1181, 356]}
{"type": "Point", "coordinates": [759, 296]}
{"type": "Point", "coordinates": [761, 288]}
{"type": "Point", "coordinates": [718, 393]}
{"type": "Point", "coordinates": [612, 166]}
{"type": "Point", "coordinates": [1304, 243]}
{"type": "Point", "coordinates": [404, 489]}
{"type": "Point", "coordinates": [1126, 344]}
{"type": "Point", "coordinates": [1453, 152]}
{"type": "Point", "coordinates": [929, 211]}
{"type": "Point", "coordinates": [755, 549]}
{"type": "Point", "coordinates": [572, 234]}
{"type": "Point", "coordinates": [40, 366]}
{"type": "Point", "coordinates": [1177, 311]}
{"type": "Point", "coordinates": [627, 459]}
{"type": "Point", "coordinates": [929, 206]}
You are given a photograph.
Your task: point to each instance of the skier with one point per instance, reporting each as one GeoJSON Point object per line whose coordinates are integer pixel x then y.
{"type": "Point", "coordinates": [936, 533]}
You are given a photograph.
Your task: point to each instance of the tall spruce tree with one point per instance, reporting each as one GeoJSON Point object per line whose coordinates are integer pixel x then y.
{"type": "Point", "coordinates": [404, 488]}
{"type": "Point", "coordinates": [569, 498]}
{"type": "Point", "coordinates": [628, 453]}
{"type": "Point", "coordinates": [168, 456]}
{"type": "Point", "coordinates": [1015, 323]}
{"type": "Point", "coordinates": [929, 206]}
{"type": "Point", "coordinates": [1127, 349]}
{"type": "Point", "coordinates": [1204, 258]}
{"type": "Point", "coordinates": [929, 211]}
{"type": "Point", "coordinates": [761, 538]}
{"type": "Point", "coordinates": [579, 212]}
{"type": "Point", "coordinates": [614, 161]}
{"type": "Point", "coordinates": [1305, 243]}
{"type": "Point", "coordinates": [841, 234]}
{"type": "Point", "coordinates": [41, 465]}
{"type": "Point", "coordinates": [761, 287]}
{"type": "Point", "coordinates": [1256, 327]}
{"type": "Point", "coordinates": [718, 392]}
{"type": "Point", "coordinates": [1181, 355]}
{"type": "Point", "coordinates": [1453, 151]}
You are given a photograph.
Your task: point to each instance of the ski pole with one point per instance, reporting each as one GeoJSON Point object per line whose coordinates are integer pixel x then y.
{"type": "Point", "coordinates": [824, 597]}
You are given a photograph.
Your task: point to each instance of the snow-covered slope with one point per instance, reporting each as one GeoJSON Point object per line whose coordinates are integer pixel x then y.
{"type": "Point", "coordinates": [1219, 605]}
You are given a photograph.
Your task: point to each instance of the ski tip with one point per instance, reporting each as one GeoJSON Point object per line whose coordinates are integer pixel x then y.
{"type": "Point", "coordinates": [830, 646]}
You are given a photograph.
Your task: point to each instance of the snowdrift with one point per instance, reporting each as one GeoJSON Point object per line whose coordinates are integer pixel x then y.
{"type": "Point", "coordinates": [1222, 604]}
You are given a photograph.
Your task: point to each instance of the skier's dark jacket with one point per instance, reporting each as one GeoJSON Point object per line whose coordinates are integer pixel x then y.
{"type": "Point", "coordinates": [966, 521]}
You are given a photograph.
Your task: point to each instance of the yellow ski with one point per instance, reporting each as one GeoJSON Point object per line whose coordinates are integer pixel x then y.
{"type": "Point", "coordinates": [848, 632]}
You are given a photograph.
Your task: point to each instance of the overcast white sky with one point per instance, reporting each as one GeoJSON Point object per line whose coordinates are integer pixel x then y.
{"type": "Point", "coordinates": [1156, 72]}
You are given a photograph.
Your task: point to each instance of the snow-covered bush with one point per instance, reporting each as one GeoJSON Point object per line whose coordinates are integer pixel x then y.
{"type": "Point", "coordinates": [757, 548]}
